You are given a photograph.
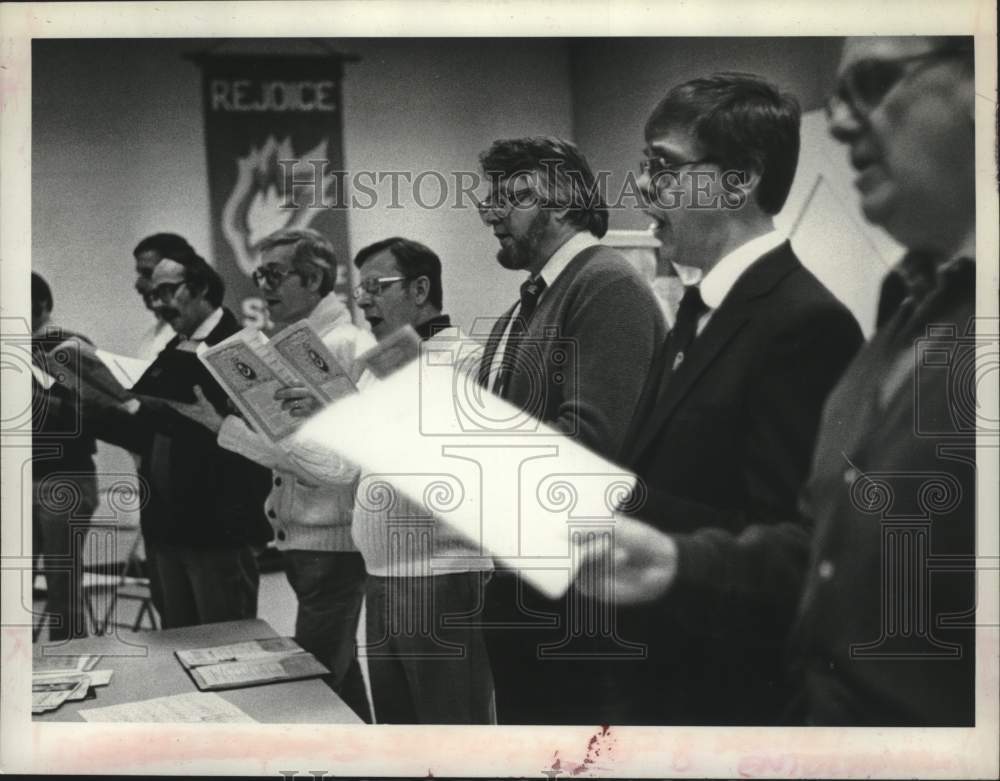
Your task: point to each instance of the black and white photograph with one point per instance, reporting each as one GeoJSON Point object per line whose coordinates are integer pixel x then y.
{"type": "Point", "coordinates": [509, 389]}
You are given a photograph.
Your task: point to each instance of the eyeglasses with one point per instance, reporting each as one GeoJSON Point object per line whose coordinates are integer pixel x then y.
{"type": "Point", "coordinates": [374, 286]}
{"type": "Point", "coordinates": [272, 275]}
{"type": "Point", "coordinates": [165, 291]}
{"type": "Point", "coordinates": [501, 203]}
{"type": "Point", "coordinates": [865, 84]}
{"type": "Point", "coordinates": [660, 168]}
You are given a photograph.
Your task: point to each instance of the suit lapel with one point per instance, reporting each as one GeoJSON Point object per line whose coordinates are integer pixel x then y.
{"type": "Point", "coordinates": [726, 322]}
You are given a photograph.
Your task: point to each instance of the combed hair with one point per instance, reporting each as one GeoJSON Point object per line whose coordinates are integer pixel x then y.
{"type": "Point", "coordinates": [167, 245]}
{"type": "Point", "coordinates": [566, 175]}
{"type": "Point", "coordinates": [313, 255]}
{"type": "Point", "coordinates": [742, 122]}
{"type": "Point", "coordinates": [414, 260]}
{"type": "Point", "coordinates": [201, 276]}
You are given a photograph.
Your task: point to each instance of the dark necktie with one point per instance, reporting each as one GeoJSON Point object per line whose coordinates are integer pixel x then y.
{"type": "Point", "coordinates": [531, 291]}
{"type": "Point", "coordinates": [685, 329]}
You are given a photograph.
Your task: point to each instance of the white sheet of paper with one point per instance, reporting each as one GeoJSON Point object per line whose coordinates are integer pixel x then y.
{"type": "Point", "coordinates": [189, 708]}
{"type": "Point", "coordinates": [97, 677]}
{"type": "Point", "coordinates": [522, 491]}
{"type": "Point", "coordinates": [245, 651]}
{"type": "Point", "coordinates": [125, 369]}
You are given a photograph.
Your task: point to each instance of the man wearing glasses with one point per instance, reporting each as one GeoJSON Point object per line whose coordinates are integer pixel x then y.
{"type": "Point", "coordinates": [147, 253]}
{"type": "Point", "coordinates": [891, 495]}
{"type": "Point", "coordinates": [723, 432]}
{"type": "Point", "coordinates": [312, 523]}
{"type": "Point", "coordinates": [574, 352]}
{"type": "Point", "coordinates": [204, 509]}
{"type": "Point", "coordinates": [424, 668]}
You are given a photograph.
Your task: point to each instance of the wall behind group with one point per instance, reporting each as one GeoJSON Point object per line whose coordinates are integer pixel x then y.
{"type": "Point", "coordinates": [118, 153]}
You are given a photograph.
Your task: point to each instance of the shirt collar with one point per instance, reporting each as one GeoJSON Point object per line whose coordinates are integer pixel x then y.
{"type": "Point", "coordinates": [329, 313]}
{"type": "Point", "coordinates": [561, 258]}
{"type": "Point", "coordinates": [428, 328]}
{"type": "Point", "coordinates": [207, 326]}
{"type": "Point", "coordinates": [717, 283]}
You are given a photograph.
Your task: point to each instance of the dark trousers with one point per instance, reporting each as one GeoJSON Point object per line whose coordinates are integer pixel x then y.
{"type": "Point", "coordinates": [330, 586]}
{"type": "Point", "coordinates": [61, 510]}
{"type": "Point", "coordinates": [426, 655]}
{"type": "Point", "coordinates": [550, 664]}
{"type": "Point", "coordinates": [206, 585]}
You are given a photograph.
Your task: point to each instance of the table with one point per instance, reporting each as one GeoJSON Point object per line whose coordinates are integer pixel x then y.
{"type": "Point", "coordinates": [145, 667]}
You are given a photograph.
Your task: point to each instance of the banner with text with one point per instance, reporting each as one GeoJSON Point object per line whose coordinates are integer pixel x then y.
{"type": "Point", "coordinates": [274, 139]}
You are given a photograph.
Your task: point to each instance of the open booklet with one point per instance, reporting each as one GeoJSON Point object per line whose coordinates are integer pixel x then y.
{"type": "Point", "coordinates": [250, 368]}
{"type": "Point", "coordinates": [249, 663]}
{"type": "Point", "coordinates": [85, 368]}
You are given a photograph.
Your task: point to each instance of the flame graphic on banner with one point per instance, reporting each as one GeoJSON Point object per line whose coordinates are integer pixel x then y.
{"type": "Point", "coordinates": [254, 208]}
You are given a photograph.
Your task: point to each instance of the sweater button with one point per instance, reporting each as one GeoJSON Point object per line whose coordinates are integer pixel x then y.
{"type": "Point", "coordinates": [825, 570]}
{"type": "Point", "coordinates": [850, 475]}
{"type": "Point", "coordinates": [277, 481]}
{"type": "Point", "coordinates": [281, 535]}
{"type": "Point", "coordinates": [272, 514]}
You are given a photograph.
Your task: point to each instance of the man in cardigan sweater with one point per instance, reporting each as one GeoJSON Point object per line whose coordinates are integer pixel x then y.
{"type": "Point", "coordinates": [574, 351]}
{"type": "Point", "coordinates": [312, 523]}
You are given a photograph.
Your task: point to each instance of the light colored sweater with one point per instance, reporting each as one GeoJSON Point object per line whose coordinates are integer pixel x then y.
{"type": "Point", "coordinates": [306, 515]}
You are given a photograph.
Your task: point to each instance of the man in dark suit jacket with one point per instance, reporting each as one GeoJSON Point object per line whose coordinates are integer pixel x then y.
{"type": "Point", "coordinates": [573, 352]}
{"type": "Point", "coordinates": [725, 427]}
{"type": "Point", "coordinates": [885, 629]}
{"type": "Point", "coordinates": [204, 510]}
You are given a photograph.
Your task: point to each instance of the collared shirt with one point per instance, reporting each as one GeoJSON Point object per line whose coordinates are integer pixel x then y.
{"type": "Point", "coordinates": [553, 267]}
{"type": "Point", "coordinates": [717, 283]}
{"type": "Point", "coordinates": [196, 342]}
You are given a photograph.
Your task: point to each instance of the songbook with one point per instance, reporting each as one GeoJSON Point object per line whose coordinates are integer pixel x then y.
{"type": "Point", "coordinates": [250, 368]}
{"type": "Point", "coordinates": [88, 370]}
{"type": "Point", "coordinates": [249, 663]}
{"type": "Point", "coordinates": [395, 351]}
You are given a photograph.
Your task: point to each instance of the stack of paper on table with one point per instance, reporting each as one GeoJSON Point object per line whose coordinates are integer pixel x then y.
{"type": "Point", "coordinates": [59, 679]}
{"type": "Point", "coordinates": [522, 491]}
{"type": "Point", "coordinates": [250, 368]}
{"type": "Point", "coordinates": [249, 663]}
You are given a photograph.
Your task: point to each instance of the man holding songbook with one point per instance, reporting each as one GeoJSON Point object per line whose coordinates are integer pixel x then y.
{"type": "Point", "coordinates": [62, 464]}
{"type": "Point", "coordinates": [311, 522]}
{"type": "Point", "coordinates": [203, 514]}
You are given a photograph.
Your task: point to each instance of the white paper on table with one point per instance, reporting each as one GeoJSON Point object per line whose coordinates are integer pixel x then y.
{"type": "Point", "coordinates": [97, 677]}
{"type": "Point", "coordinates": [125, 369]}
{"type": "Point", "coordinates": [524, 492]}
{"type": "Point", "coordinates": [189, 708]}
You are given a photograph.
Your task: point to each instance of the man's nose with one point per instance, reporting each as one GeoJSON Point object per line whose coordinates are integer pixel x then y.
{"type": "Point", "coordinates": [842, 122]}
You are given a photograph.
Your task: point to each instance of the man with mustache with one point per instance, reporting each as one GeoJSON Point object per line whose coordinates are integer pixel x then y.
{"type": "Point", "coordinates": [204, 511]}
{"type": "Point", "coordinates": [725, 426]}
{"type": "Point", "coordinates": [573, 351]}
{"type": "Point", "coordinates": [891, 496]}
{"type": "Point", "coordinates": [147, 253]}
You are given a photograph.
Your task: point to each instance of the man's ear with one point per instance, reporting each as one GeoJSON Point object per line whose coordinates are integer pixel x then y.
{"type": "Point", "coordinates": [740, 185]}
{"type": "Point", "coordinates": [421, 287]}
{"type": "Point", "coordinates": [312, 282]}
